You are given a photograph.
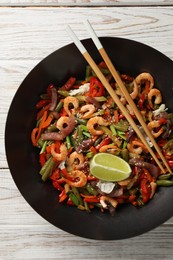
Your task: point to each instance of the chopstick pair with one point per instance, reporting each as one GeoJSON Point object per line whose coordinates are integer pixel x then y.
{"type": "Point", "coordinates": [112, 93]}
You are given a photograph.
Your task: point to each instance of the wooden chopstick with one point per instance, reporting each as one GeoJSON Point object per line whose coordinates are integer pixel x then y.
{"type": "Point", "coordinates": [124, 90]}
{"type": "Point", "coordinates": [112, 93]}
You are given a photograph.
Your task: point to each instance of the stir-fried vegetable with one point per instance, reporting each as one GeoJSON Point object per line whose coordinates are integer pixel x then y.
{"type": "Point", "coordinates": [79, 119]}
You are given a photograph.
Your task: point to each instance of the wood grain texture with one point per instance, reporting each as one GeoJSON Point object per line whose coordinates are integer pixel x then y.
{"type": "Point", "coordinates": [84, 2]}
{"type": "Point", "coordinates": [27, 35]}
{"type": "Point", "coordinates": [47, 242]}
{"type": "Point", "coordinates": [43, 29]}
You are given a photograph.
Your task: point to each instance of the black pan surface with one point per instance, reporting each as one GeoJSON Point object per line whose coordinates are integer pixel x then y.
{"type": "Point", "coordinates": [129, 57]}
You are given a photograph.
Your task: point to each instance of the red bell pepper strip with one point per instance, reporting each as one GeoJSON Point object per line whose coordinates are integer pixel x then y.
{"type": "Point", "coordinates": [69, 84]}
{"type": "Point", "coordinates": [145, 190]}
{"type": "Point", "coordinates": [62, 196]}
{"type": "Point", "coordinates": [66, 175]}
{"type": "Point", "coordinates": [91, 178]}
{"type": "Point", "coordinates": [103, 65]}
{"type": "Point", "coordinates": [106, 141]}
{"type": "Point", "coordinates": [57, 186]}
{"type": "Point", "coordinates": [41, 112]}
{"type": "Point", "coordinates": [34, 136]}
{"type": "Point", "coordinates": [141, 102]}
{"type": "Point", "coordinates": [161, 142]}
{"type": "Point", "coordinates": [90, 198]}
{"type": "Point", "coordinates": [170, 164]}
{"type": "Point", "coordinates": [49, 89]}
{"type": "Point", "coordinates": [162, 121]}
{"type": "Point", "coordinates": [96, 88]}
{"type": "Point", "coordinates": [55, 174]}
{"type": "Point", "coordinates": [70, 202]}
{"type": "Point", "coordinates": [45, 122]}
{"type": "Point", "coordinates": [42, 103]}
{"type": "Point", "coordinates": [42, 159]}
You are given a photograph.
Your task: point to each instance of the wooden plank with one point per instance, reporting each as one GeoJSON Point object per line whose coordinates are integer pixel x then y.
{"type": "Point", "coordinates": [14, 208]}
{"type": "Point", "coordinates": [48, 242]}
{"type": "Point", "coordinates": [84, 2]}
{"type": "Point", "coordinates": [25, 38]}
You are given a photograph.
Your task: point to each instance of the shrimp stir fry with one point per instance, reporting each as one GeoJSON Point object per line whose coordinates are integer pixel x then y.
{"type": "Point", "coordinates": [79, 119]}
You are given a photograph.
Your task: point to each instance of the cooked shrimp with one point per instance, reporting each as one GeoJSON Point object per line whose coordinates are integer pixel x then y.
{"type": "Point", "coordinates": [59, 156]}
{"type": "Point", "coordinates": [80, 179]}
{"type": "Point", "coordinates": [111, 148]}
{"type": "Point", "coordinates": [135, 91]}
{"type": "Point", "coordinates": [97, 120]}
{"type": "Point", "coordinates": [70, 101]}
{"type": "Point", "coordinates": [112, 201]}
{"type": "Point", "coordinates": [76, 159]}
{"type": "Point", "coordinates": [89, 109]}
{"type": "Point", "coordinates": [154, 127]}
{"type": "Point", "coordinates": [136, 147]}
{"type": "Point", "coordinates": [143, 77]}
{"type": "Point", "coordinates": [66, 124]}
{"type": "Point", "coordinates": [154, 93]}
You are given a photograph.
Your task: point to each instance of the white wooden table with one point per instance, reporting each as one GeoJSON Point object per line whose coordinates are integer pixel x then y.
{"type": "Point", "coordinates": [29, 31]}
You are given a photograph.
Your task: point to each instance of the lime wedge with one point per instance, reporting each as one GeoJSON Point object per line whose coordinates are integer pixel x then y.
{"type": "Point", "coordinates": [108, 167]}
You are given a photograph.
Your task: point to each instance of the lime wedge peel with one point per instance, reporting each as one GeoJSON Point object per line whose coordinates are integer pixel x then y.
{"type": "Point", "coordinates": [108, 167]}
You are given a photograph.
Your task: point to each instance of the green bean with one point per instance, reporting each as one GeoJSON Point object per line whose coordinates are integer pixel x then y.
{"type": "Point", "coordinates": [100, 99]}
{"type": "Point", "coordinates": [63, 93]}
{"type": "Point", "coordinates": [73, 141]}
{"type": "Point", "coordinates": [98, 140]}
{"type": "Point", "coordinates": [121, 134]}
{"type": "Point", "coordinates": [91, 190]}
{"type": "Point", "coordinates": [164, 183]}
{"type": "Point", "coordinates": [124, 144]}
{"type": "Point", "coordinates": [112, 127]}
{"type": "Point", "coordinates": [59, 106]}
{"type": "Point", "coordinates": [43, 147]}
{"type": "Point", "coordinates": [84, 127]}
{"type": "Point", "coordinates": [38, 122]}
{"type": "Point", "coordinates": [87, 134]}
{"type": "Point", "coordinates": [45, 96]}
{"type": "Point", "coordinates": [112, 136]}
{"type": "Point", "coordinates": [90, 154]}
{"type": "Point", "coordinates": [68, 141]}
{"type": "Point", "coordinates": [47, 168]}
{"type": "Point", "coordinates": [67, 188]}
{"type": "Point", "coordinates": [125, 154]}
{"type": "Point", "coordinates": [79, 135]}
{"type": "Point", "coordinates": [98, 113]}
{"type": "Point", "coordinates": [80, 98]}
{"type": "Point", "coordinates": [78, 196]}
{"type": "Point", "coordinates": [86, 206]}
{"type": "Point", "coordinates": [40, 142]}
{"type": "Point", "coordinates": [81, 121]}
{"type": "Point", "coordinates": [122, 126]}
{"type": "Point", "coordinates": [73, 198]}
{"type": "Point", "coordinates": [165, 176]}
{"type": "Point", "coordinates": [52, 128]}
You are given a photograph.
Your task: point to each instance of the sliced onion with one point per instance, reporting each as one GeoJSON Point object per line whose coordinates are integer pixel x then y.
{"type": "Point", "coordinates": [54, 98]}
{"type": "Point", "coordinates": [153, 169]}
{"type": "Point", "coordinates": [93, 101]}
{"type": "Point", "coordinates": [70, 126]}
{"type": "Point", "coordinates": [53, 136]}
